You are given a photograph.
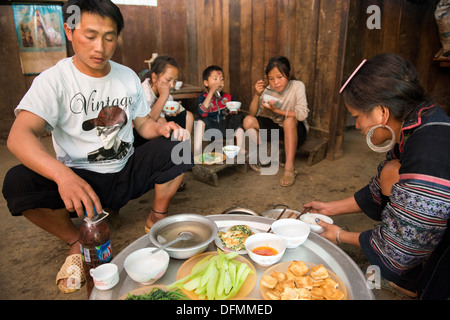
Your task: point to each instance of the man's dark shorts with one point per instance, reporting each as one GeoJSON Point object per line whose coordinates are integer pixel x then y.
{"type": "Point", "coordinates": [150, 164]}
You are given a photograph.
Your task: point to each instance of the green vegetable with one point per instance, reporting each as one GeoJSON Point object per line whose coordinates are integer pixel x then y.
{"type": "Point", "coordinates": [215, 277]}
{"type": "Point", "coordinates": [159, 294]}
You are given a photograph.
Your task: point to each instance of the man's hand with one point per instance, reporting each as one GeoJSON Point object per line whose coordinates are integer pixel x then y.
{"type": "Point", "coordinates": [170, 127]}
{"type": "Point", "coordinates": [77, 195]}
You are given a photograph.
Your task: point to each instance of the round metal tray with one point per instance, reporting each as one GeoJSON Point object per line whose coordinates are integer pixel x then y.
{"type": "Point", "coordinates": [315, 249]}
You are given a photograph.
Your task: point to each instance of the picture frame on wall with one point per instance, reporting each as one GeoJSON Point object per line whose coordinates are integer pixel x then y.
{"type": "Point", "coordinates": [40, 35]}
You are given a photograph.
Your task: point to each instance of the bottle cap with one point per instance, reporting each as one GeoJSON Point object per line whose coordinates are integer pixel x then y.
{"type": "Point", "coordinates": [97, 217]}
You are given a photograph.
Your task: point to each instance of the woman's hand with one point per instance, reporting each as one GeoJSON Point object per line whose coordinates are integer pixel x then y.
{"type": "Point", "coordinates": [318, 207]}
{"type": "Point", "coordinates": [330, 230]}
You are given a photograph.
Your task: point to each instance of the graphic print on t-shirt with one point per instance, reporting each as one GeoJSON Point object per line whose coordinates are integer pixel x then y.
{"type": "Point", "coordinates": [108, 124]}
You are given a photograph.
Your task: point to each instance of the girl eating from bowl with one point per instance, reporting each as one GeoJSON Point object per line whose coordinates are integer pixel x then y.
{"type": "Point", "coordinates": [281, 105]}
{"type": "Point", "coordinates": [158, 83]}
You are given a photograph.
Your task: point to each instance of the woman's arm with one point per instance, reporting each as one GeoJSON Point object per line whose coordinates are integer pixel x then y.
{"type": "Point", "coordinates": [333, 208]}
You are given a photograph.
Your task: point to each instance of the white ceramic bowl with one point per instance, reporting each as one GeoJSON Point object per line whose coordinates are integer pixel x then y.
{"type": "Point", "coordinates": [310, 220]}
{"type": "Point", "coordinates": [178, 85]}
{"type": "Point", "coordinates": [233, 106]}
{"type": "Point", "coordinates": [267, 98]}
{"type": "Point", "coordinates": [145, 268]}
{"type": "Point", "coordinates": [231, 151]}
{"type": "Point", "coordinates": [265, 240]}
{"type": "Point", "coordinates": [293, 231]}
{"type": "Point", "coordinates": [171, 107]}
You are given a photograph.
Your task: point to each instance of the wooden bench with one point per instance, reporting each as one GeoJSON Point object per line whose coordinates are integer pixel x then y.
{"type": "Point", "coordinates": [208, 173]}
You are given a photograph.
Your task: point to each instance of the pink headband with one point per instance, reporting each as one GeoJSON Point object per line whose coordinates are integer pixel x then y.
{"type": "Point", "coordinates": [353, 74]}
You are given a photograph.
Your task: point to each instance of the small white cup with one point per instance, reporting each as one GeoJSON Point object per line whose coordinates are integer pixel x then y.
{"type": "Point", "coordinates": [105, 276]}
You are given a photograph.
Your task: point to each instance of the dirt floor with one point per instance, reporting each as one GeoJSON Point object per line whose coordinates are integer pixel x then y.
{"type": "Point", "coordinates": [31, 258]}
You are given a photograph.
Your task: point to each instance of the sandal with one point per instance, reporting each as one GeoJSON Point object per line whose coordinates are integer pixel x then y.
{"type": "Point", "coordinates": [396, 290]}
{"type": "Point", "coordinates": [288, 178]}
{"type": "Point", "coordinates": [182, 186]}
{"type": "Point", "coordinates": [72, 271]}
{"type": "Point", "coordinates": [147, 228]}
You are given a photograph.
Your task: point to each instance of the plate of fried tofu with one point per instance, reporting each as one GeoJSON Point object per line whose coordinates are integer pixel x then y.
{"type": "Point", "coordinates": [299, 280]}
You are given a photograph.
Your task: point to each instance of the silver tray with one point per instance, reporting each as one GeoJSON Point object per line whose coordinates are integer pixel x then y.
{"type": "Point", "coordinates": [315, 249]}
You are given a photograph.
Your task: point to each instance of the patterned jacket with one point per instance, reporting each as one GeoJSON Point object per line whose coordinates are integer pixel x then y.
{"type": "Point", "coordinates": [415, 216]}
{"type": "Point", "coordinates": [217, 110]}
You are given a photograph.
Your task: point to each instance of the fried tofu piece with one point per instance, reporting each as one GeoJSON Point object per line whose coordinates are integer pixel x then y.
{"type": "Point", "coordinates": [332, 294]}
{"type": "Point", "coordinates": [298, 268]}
{"type": "Point", "coordinates": [289, 294]}
{"type": "Point", "coordinates": [280, 276]}
{"type": "Point", "coordinates": [317, 294]}
{"type": "Point", "coordinates": [287, 284]}
{"type": "Point", "coordinates": [319, 283]}
{"type": "Point", "coordinates": [273, 296]}
{"type": "Point", "coordinates": [319, 272]}
{"type": "Point", "coordinates": [269, 281]}
{"type": "Point", "coordinates": [304, 294]}
{"type": "Point", "coordinates": [331, 283]}
{"type": "Point", "coordinates": [304, 282]}
{"type": "Point", "coordinates": [290, 275]}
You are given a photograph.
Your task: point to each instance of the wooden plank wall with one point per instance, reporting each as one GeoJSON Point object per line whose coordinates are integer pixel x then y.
{"type": "Point", "coordinates": [409, 29]}
{"type": "Point", "coordinates": [241, 36]}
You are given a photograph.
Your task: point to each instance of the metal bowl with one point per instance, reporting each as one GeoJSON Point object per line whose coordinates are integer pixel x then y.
{"type": "Point", "coordinates": [167, 229]}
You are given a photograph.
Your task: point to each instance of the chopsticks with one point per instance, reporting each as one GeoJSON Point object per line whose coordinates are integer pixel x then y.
{"type": "Point", "coordinates": [305, 210]}
{"type": "Point", "coordinates": [281, 214]}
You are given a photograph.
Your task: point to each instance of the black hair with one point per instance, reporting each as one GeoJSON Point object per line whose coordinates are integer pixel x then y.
{"type": "Point", "coordinates": [104, 8]}
{"type": "Point", "coordinates": [282, 64]}
{"type": "Point", "coordinates": [159, 65]}
{"type": "Point", "coordinates": [207, 72]}
{"type": "Point", "coordinates": [387, 80]}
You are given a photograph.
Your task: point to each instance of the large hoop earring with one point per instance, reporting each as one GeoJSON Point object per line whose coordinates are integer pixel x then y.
{"type": "Point", "coordinates": [379, 149]}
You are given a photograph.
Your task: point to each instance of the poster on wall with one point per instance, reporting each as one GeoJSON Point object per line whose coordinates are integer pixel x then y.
{"type": "Point", "coordinates": [40, 34]}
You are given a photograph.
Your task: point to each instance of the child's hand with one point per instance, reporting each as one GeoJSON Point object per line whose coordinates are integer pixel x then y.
{"type": "Point", "coordinates": [271, 105]}
{"type": "Point", "coordinates": [215, 86]}
{"type": "Point", "coordinates": [259, 87]}
{"type": "Point", "coordinates": [163, 87]}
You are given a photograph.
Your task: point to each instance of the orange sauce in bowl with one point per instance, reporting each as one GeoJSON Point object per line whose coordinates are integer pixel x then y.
{"type": "Point", "coordinates": [265, 251]}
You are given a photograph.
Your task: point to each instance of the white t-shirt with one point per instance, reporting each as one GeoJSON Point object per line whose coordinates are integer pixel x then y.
{"type": "Point", "coordinates": [90, 118]}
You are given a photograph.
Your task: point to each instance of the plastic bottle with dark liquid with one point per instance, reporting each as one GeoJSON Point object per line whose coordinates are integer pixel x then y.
{"type": "Point", "coordinates": [95, 244]}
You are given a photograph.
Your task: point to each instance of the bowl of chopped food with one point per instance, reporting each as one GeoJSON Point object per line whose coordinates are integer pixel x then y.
{"type": "Point", "coordinates": [265, 249]}
{"type": "Point", "coordinates": [310, 220]}
{"type": "Point", "coordinates": [171, 107]}
{"type": "Point", "coordinates": [233, 106]}
{"type": "Point", "coordinates": [146, 268]}
{"type": "Point", "coordinates": [232, 239]}
{"type": "Point", "coordinates": [231, 151]}
{"type": "Point", "coordinates": [294, 231]}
